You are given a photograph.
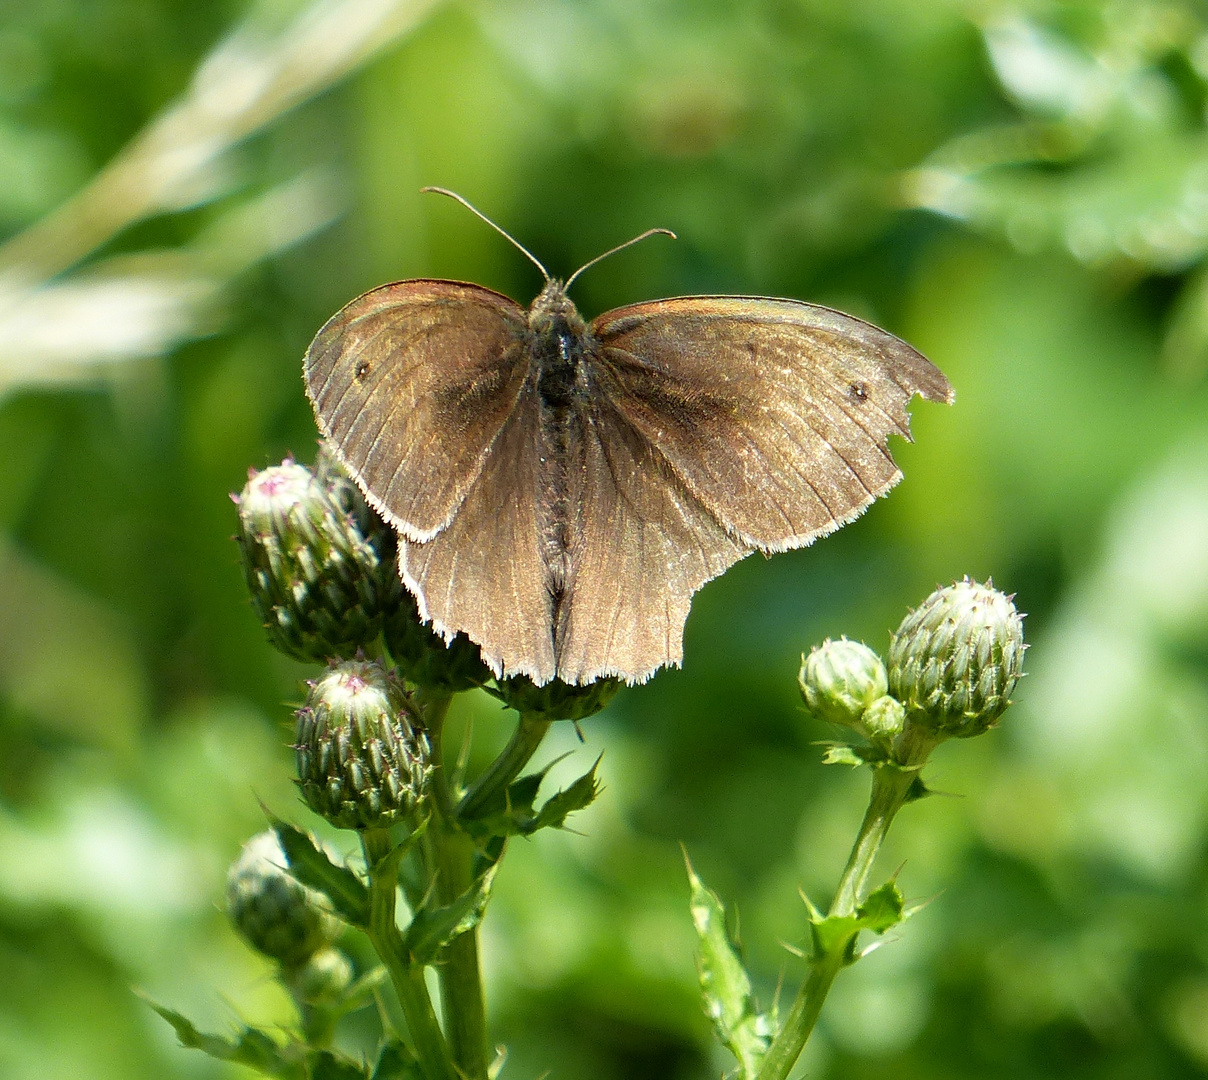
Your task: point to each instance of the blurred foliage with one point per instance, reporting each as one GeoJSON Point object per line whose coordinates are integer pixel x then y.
{"type": "Point", "coordinates": [1020, 190]}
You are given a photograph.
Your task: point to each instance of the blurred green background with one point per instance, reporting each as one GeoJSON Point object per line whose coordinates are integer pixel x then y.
{"type": "Point", "coordinates": [1021, 190]}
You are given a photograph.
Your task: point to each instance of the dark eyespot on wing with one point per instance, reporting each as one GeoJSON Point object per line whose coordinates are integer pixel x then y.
{"type": "Point", "coordinates": [411, 383]}
{"type": "Point", "coordinates": [775, 414]}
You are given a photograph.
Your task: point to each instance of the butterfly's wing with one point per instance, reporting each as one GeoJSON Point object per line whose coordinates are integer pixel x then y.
{"type": "Point", "coordinates": [412, 383]}
{"type": "Point", "coordinates": [642, 545]}
{"type": "Point", "coordinates": [484, 573]}
{"type": "Point", "coordinates": [774, 414]}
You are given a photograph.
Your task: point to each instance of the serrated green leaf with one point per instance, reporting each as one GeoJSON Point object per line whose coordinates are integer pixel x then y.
{"type": "Point", "coordinates": [433, 928]}
{"type": "Point", "coordinates": [560, 806]}
{"type": "Point", "coordinates": [882, 909]}
{"type": "Point", "coordinates": [833, 934]}
{"type": "Point", "coordinates": [250, 1046]}
{"type": "Point", "coordinates": [361, 992]}
{"type": "Point", "coordinates": [841, 754]}
{"type": "Point", "coordinates": [324, 1065]}
{"type": "Point", "coordinates": [311, 866]}
{"type": "Point", "coordinates": [517, 818]}
{"type": "Point", "coordinates": [396, 1062]}
{"type": "Point", "coordinates": [853, 754]}
{"type": "Point", "coordinates": [522, 793]}
{"type": "Point", "coordinates": [836, 934]}
{"type": "Point", "coordinates": [724, 983]}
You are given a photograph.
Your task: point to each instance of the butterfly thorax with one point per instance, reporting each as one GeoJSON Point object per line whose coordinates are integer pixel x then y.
{"type": "Point", "coordinates": [559, 334]}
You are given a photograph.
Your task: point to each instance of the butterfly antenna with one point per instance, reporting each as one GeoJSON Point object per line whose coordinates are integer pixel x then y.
{"type": "Point", "coordinates": [619, 247]}
{"type": "Point", "coordinates": [474, 210]}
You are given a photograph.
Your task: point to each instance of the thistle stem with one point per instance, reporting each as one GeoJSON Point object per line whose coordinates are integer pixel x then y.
{"type": "Point", "coordinates": [507, 766]}
{"type": "Point", "coordinates": [407, 976]}
{"type": "Point", "coordinates": [451, 860]}
{"type": "Point", "coordinates": [890, 787]}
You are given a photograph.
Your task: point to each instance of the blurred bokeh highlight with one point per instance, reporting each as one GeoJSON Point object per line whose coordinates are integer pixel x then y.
{"type": "Point", "coordinates": [1021, 190]}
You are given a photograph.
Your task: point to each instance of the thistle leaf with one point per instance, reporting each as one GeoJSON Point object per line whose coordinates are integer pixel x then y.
{"type": "Point", "coordinates": [724, 983]}
{"type": "Point", "coordinates": [396, 1062]}
{"type": "Point", "coordinates": [433, 928]}
{"type": "Point", "coordinates": [311, 866]}
{"type": "Point", "coordinates": [249, 1046]}
{"type": "Point", "coordinates": [882, 910]}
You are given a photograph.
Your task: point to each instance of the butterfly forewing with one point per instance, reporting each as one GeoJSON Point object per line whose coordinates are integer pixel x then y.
{"type": "Point", "coordinates": [411, 383]}
{"type": "Point", "coordinates": [775, 414]}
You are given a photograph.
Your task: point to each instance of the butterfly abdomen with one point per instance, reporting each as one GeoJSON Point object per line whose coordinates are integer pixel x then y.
{"type": "Point", "coordinates": [559, 348]}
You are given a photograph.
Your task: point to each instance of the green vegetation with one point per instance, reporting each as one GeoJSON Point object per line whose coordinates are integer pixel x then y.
{"type": "Point", "coordinates": [1020, 191]}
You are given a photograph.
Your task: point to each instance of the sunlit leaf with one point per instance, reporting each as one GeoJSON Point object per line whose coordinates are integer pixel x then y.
{"type": "Point", "coordinates": [724, 983]}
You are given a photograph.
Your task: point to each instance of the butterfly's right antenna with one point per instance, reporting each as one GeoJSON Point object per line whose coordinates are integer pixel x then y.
{"type": "Point", "coordinates": [479, 213]}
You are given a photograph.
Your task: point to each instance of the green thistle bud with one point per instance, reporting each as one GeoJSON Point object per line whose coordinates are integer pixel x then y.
{"type": "Point", "coordinates": [956, 658]}
{"type": "Point", "coordinates": [276, 914]}
{"type": "Point", "coordinates": [884, 719]}
{"type": "Point", "coordinates": [319, 584]}
{"type": "Point", "coordinates": [425, 658]}
{"type": "Point", "coordinates": [346, 496]}
{"type": "Point", "coordinates": [362, 752]}
{"type": "Point", "coordinates": [556, 700]}
{"type": "Point", "coordinates": [840, 679]}
{"type": "Point", "coordinates": [323, 979]}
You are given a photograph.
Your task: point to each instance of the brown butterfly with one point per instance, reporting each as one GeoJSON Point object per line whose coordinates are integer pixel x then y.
{"type": "Point", "coordinates": [562, 488]}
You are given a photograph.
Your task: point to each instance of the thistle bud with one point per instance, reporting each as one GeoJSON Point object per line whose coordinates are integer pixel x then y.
{"type": "Point", "coordinates": [346, 496]}
{"type": "Point", "coordinates": [362, 752]}
{"type": "Point", "coordinates": [884, 719]}
{"type": "Point", "coordinates": [956, 658]}
{"type": "Point", "coordinates": [318, 583]}
{"type": "Point", "coordinates": [276, 914]}
{"type": "Point", "coordinates": [425, 658]}
{"type": "Point", "coordinates": [323, 979]}
{"type": "Point", "coordinates": [556, 700]}
{"type": "Point", "coordinates": [840, 679]}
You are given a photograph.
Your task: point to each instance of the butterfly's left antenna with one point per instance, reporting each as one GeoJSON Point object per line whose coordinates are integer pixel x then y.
{"type": "Point", "coordinates": [474, 210]}
{"type": "Point", "coordinates": [619, 247]}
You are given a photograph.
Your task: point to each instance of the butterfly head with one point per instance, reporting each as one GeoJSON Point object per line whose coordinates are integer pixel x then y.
{"type": "Point", "coordinates": [554, 313]}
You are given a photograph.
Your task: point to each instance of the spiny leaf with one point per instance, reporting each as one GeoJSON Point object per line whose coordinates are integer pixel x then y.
{"type": "Point", "coordinates": [396, 1062]}
{"type": "Point", "coordinates": [560, 806]}
{"type": "Point", "coordinates": [361, 992]}
{"type": "Point", "coordinates": [250, 1046]}
{"type": "Point", "coordinates": [882, 910]}
{"type": "Point", "coordinates": [517, 817]}
{"type": "Point", "coordinates": [311, 866]}
{"type": "Point", "coordinates": [433, 928]}
{"type": "Point", "coordinates": [724, 983]}
{"type": "Point", "coordinates": [835, 934]}
{"type": "Point", "coordinates": [324, 1065]}
{"type": "Point", "coordinates": [841, 754]}
{"type": "Point", "coordinates": [849, 754]}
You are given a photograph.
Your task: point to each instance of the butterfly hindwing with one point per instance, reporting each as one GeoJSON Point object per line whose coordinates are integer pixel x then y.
{"type": "Point", "coordinates": [775, 414]}
{"type": "Point", "coordinates": [411, 383]}
{"type": "Point", "coordinates": [642, 545]}
{"type": "Point", "coordinates": [484, 573]}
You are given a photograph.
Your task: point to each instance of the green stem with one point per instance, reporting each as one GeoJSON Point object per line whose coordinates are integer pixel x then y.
{"type": "Point", "coordinates": [890, 787]}
{"type": "Point", "coordinates": [408, 977]}
{"type": "Point", "coordinates": [460, 968]}
{"type": "Point", "coordinates": [318, 1021]}
{"type": "Point", "coordinates": [451, 860]}
{"type": "Point", "coordinates": [506, 767]}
